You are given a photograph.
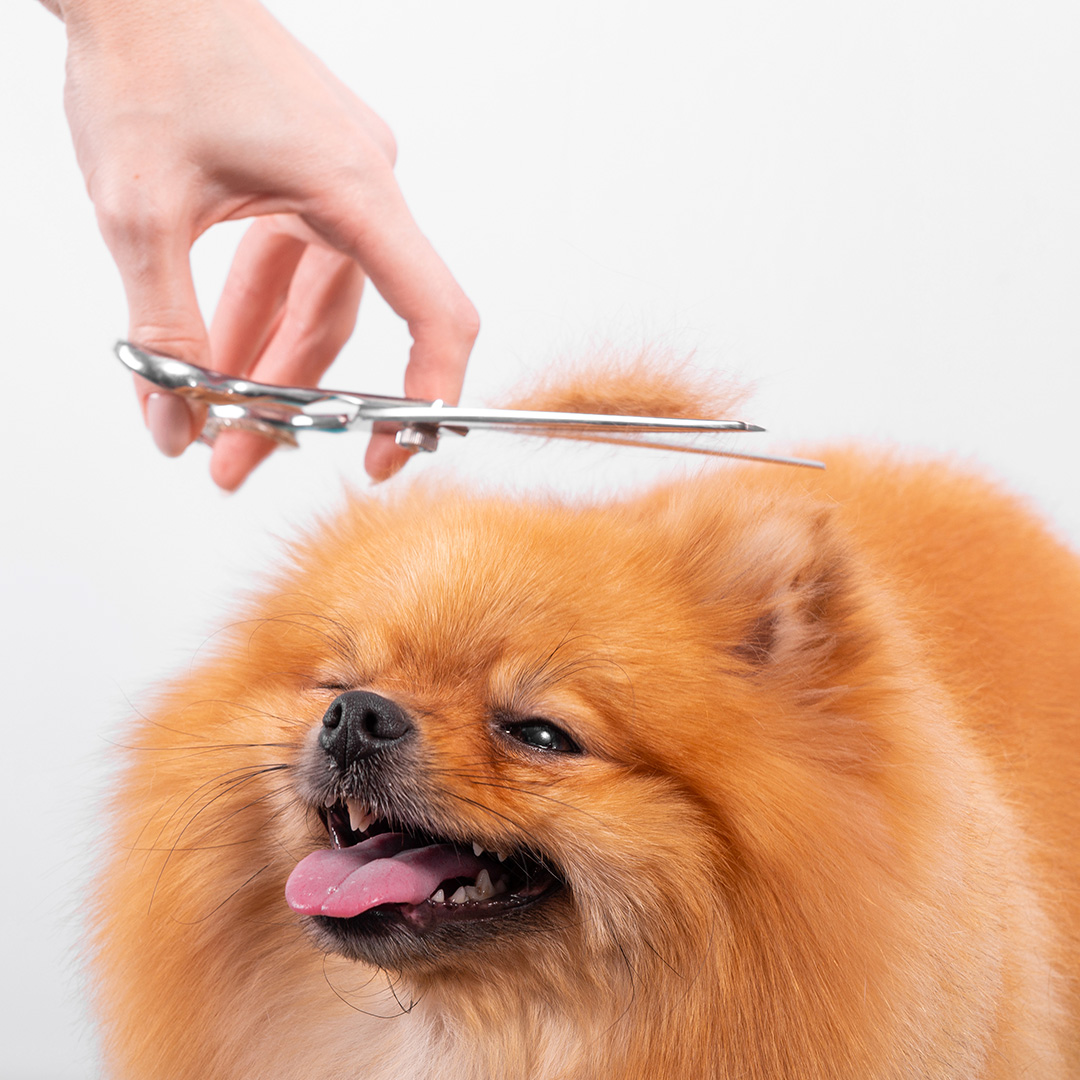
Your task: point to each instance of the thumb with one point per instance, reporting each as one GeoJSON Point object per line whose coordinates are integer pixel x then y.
{"type": "Point", "coordinates": [163, 317]}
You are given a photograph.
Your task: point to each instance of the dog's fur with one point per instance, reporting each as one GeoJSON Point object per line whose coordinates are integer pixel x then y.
{"type": "Point", "coordinates": [825, 822]}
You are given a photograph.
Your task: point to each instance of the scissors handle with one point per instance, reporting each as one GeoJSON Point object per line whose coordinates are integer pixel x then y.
{"type": "Point", "coordinates": [213, 388]}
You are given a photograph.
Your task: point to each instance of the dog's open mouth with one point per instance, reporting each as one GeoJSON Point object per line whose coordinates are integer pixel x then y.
{"type": "Point", "coordinates": [376, 870]}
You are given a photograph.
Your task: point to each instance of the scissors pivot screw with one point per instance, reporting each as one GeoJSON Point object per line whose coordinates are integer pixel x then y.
{"type": "Point", "coordinates": [413, 437]}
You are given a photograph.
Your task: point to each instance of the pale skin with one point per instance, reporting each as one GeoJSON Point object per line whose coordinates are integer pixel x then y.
{"type": "Point", "coordinates": [186, 113]}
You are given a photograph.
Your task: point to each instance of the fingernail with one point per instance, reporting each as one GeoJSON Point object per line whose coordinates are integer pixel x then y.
{"type": "Point", "coordinates": [169, 421]}
{"type": "Point", "coordinates": [386, 470]}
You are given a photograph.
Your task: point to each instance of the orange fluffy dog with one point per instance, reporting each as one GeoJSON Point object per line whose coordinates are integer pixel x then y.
{"type": "Point", "coordinates": [765, 774]}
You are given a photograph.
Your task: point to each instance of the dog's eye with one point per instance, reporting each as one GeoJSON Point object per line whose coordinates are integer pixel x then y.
{"type": "Point", "coordinates": [331, 684]}
{"type": "Point", "coordinates": [542, 735]}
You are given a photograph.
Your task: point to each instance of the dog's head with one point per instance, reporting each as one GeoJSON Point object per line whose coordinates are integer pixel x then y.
{"type": "Point", "coordinates": [526, 738]}
{"type": "Point", "coordinates": [539, 763]}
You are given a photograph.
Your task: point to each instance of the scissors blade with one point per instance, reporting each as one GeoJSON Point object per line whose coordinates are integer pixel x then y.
{"type": "Point", "coordinates": [617, 429]}
{"type": "Point", "coordinates": [540, 422]}
{"type": "Point", "coordinates": [629, 435]}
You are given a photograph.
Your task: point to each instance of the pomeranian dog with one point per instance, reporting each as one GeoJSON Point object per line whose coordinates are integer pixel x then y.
{"type": "Point", "coordinates": [764, 774]}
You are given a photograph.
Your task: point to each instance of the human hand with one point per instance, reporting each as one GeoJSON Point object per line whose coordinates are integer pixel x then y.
{"type": "Point", "coordinates": [186, 113]}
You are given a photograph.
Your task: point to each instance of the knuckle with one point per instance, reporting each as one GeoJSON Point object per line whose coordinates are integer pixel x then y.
{"type": "Point", "coordinates": [371, 168]}
{"type": "Point", "coordinates": [383, 137]}
{"type": "Point", "coordinates": [171, 341]}
{"type": "Point", "coordinates": [133, 210]}
{"type": "Point", "coordinates": [455, 323]}
{"type": "Point", "coordinates": [368, 127]}
{"type": "Point", "coordinates": [112, 211]}
{"type": "Point", "coordinates": [465, 320]}
{"type": "Point", "coordinates": [369, 155]}
{"type": "Point", "coordinates": [132, 222]}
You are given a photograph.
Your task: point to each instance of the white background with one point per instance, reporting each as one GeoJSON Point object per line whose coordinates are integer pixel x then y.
{"type": "Point", "coordinates": [871, 210]}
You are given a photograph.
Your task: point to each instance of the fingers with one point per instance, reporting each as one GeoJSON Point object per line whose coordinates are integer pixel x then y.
{"type": "Point", "coordinates": [249, 312]}
{"type": "Point", "coordinates": [253, 299]}
{"type": "Point", "coordinates": [384, 457]}
{"type": "Point", "coordinates": [288, 305]}
{"type": "Point", "coordinates": [318, 316]}
{"type": "Point", "coordinates": [415, 282]}
{"type": "Point", "coordinates": [151, 252]}
{"type": "Point", "coordinates": [374, 225]}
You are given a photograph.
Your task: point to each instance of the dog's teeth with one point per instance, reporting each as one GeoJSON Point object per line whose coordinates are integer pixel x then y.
{"type": "Point", "coordinates": [460, 896]}
{"type": "Point", "coordinates": [438, 897]}
{"type": "Point", "coordinates": [477, 850]}
{"type": "Point", "coordinates": [484, 888]}
{"type": "Point", "coordinates": [359, 819]}
{"type": "Point", "coordinates": [501, 856]}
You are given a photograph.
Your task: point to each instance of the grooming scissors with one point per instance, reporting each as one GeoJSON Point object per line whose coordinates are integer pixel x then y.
{"type": "Point", "coordinates": [282, 412]}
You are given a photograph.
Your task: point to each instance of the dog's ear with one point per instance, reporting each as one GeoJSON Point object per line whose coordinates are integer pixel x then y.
{"type": "Point", "coordinates": [778, 585]}
{"type": "Point", "coordinates": [794, 569]}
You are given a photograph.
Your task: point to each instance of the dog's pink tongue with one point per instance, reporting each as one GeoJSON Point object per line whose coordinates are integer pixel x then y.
{"type": "Point", "coordinates": [343, 882]}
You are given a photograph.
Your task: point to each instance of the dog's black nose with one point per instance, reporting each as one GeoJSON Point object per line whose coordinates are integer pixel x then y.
{"type": "Point", "coordinates": [359, 724]}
